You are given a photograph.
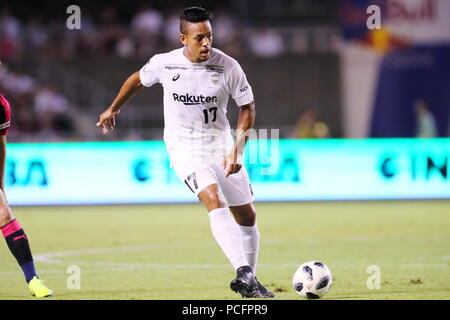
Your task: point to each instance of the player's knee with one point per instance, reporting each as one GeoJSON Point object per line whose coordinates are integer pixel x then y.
{"type": "Point", "coordinates": [5, 215]}
{"type": "Point", "coordinates": [244, 215]}
{"type": "Point", "coordinates": [247, 219]}
{"type": "Point", "coordinates": [213, 199]}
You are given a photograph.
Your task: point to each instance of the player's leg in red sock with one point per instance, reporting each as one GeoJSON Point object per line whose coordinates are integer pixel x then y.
{"type": "Point", "coordinates": [17, 240]}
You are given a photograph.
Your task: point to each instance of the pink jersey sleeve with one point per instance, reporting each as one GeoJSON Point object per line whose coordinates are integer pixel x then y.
{"type": "Point", "coordinates": [5, 115]}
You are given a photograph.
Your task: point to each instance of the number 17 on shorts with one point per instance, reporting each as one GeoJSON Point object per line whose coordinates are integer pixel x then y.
{"type": "Point", "coordinates": [191, 182]}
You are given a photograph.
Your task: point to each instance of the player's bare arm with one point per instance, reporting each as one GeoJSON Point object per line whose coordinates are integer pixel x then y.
{"type": "Point", "coordinates": [129, 88]}
{"type": "Point", "coordinates": [233, 162]}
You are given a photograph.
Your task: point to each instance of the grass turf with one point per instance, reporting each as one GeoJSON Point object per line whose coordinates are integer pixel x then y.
{"type": "Point", "coordinates": [168, 252]}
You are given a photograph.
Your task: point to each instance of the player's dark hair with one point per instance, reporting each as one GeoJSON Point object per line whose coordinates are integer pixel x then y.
{"type": "Point", "coordinates": [193, 15]}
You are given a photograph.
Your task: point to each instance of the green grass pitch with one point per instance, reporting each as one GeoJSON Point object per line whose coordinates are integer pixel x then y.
{"type": "Point", "coordinates": [167, 251]}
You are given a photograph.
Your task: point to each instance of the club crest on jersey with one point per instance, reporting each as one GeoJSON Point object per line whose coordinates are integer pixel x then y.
{"type": "Point", "coordinates": [189, 100]}
{"type": "Point", "coordinates": [215, 77]}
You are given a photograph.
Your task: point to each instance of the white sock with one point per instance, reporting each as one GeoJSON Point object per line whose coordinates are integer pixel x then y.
{"type": "Point", "coordinates": [228, 236]}
{"type": "Point", "coordinates": [250, 240]}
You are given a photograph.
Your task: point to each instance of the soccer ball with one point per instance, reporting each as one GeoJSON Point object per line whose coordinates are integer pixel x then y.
{"type": "Point", "coordinates": [312, 280]}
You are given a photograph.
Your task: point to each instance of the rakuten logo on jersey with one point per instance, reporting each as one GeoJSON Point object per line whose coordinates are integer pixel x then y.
{"type": "Point", "coordinates": [187, 99]}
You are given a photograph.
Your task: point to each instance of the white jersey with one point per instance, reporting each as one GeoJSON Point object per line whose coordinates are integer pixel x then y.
{"type": "Point", "coordinates": [195, 100]}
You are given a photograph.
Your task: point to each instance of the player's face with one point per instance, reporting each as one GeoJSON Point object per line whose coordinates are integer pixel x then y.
{"type": "Point", "coordinates": [197, 41]}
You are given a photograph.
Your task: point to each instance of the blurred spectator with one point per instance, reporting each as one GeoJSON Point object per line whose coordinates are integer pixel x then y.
{"type": "Point", "coordinates": [224, 28]}
{"type": "Point", "coordinates": [125, 47]}
{"type": "Point", "coordinates": [86, 38]}
{"type": "Point", "coordinates": [52, 107]}
{"type": "Point", "coordinates": [10, 31]}
{"type": "Point", "coordinates": [9, 25]}
{"type": "Point", "coordinates": [426, 126]}
{"type": "Point", "coordinates": [146, 26]}
{"type": "Point", "coordinates": [266, 43]}
{"type": "Point", "coordinates": [309, 127]}
{"type": "Point", "coordinates": [17, 82]}
{"type": "Point", "coordinates": [19, 89]}
{"type": "Point", "coordinates": [7, 48]}
{"type": "Point", "coordinates": [36, 34]}
{"type": "Point", "coordinates": [145, 34]}
{"type": "Point", "coordinates": [60, 43]}
{"type": "Point", "coordinates": [38, 113]}
{"type": "Point", "coordinates": [147, 20]}
{"type": "Point", "coordinates": [172, 30]}
{"type": "Point", "coordinates": [109, 31]}
{"type": "Point", "coordinates": [49, 101]}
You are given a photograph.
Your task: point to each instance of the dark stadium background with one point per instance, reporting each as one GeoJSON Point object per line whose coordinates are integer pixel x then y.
{"type": "Point", "coordinates": [88, 74]}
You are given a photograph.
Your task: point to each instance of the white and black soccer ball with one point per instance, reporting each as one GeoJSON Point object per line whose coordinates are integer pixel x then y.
{"type": "Point", "coordinates": [312, 280]}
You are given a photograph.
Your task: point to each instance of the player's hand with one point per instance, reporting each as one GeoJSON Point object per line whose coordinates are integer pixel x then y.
{"type": "Point", "coordinates": [232, 164]}
{"type": "Point", "coordinates": [107, 120]}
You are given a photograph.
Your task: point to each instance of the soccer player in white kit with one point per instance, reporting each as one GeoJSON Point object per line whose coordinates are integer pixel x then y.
{"type": "Point", "coordinates": [197, 81]}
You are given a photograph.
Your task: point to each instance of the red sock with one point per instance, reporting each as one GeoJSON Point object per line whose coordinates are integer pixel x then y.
{"type": "Point", "coordinates": [18, 245]}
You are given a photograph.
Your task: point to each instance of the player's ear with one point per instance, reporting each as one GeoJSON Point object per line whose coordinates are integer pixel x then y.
{"type": "Point", "coordinates": [183, 39]}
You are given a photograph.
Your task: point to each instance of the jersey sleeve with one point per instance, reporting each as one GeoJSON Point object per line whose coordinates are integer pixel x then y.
{"type": "Point", "coordinates": [240, 89]}
{"type": "Point", "coordinates": [149, 73]}
{"type": "Point", "coordinates": [5, 116]}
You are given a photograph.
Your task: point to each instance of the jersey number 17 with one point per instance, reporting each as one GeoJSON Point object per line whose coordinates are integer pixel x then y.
{"type": "Point", "coordinates": [206, 113]}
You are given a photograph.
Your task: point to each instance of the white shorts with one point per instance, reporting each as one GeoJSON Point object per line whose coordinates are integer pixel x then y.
{"type": "Point", "coordinates": [199, 174]}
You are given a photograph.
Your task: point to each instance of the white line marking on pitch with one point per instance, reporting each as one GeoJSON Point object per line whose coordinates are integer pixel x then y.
{"type": "Point", "coordinates": [53, 257]}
